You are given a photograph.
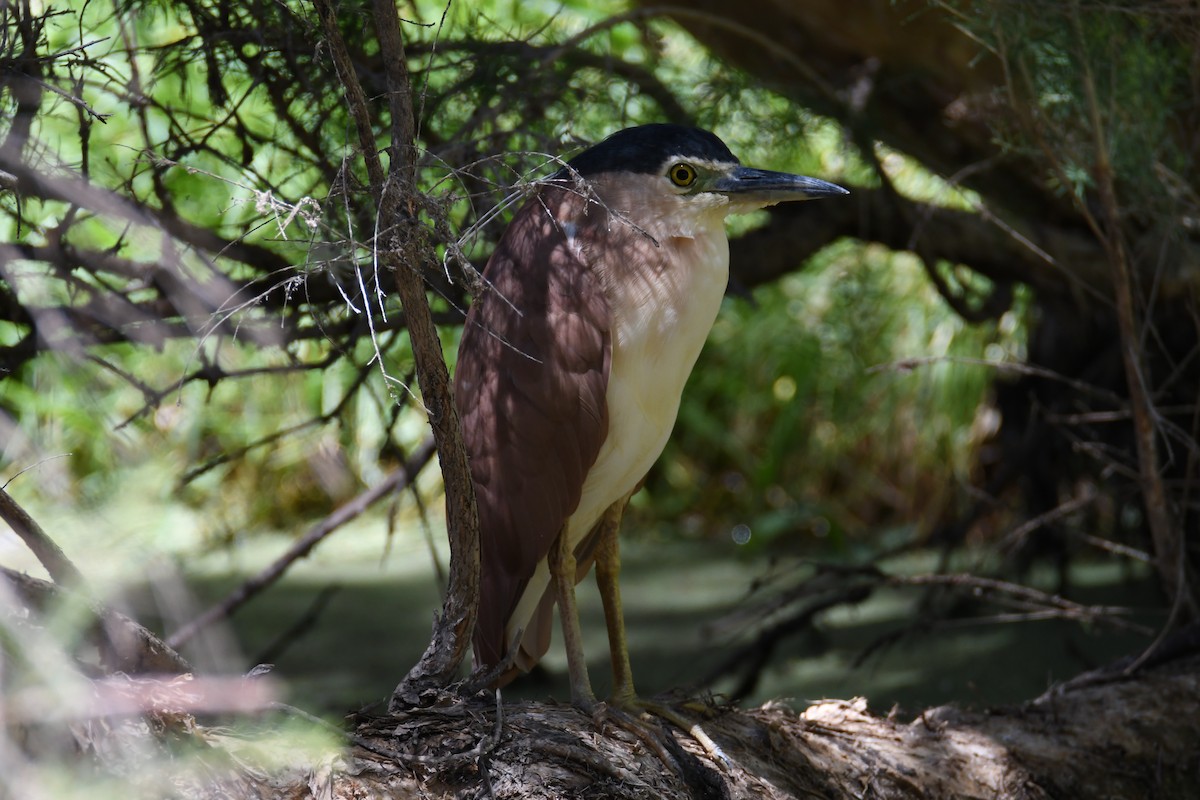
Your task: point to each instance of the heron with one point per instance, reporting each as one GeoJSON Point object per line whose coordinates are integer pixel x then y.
{"type": "Point", "coordinates": [598, 299]}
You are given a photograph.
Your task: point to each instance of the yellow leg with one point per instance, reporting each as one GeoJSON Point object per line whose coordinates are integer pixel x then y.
{"type": "Point", "coordinates": [561, 561]}
{"type": "Point", "coordinates": [624, 697]}
{"type": "Point", "coordinates": [608, 574]}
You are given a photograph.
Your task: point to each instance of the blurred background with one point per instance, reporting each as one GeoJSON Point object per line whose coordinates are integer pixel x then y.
{"type": "Point", "coordinates": [941, 445]}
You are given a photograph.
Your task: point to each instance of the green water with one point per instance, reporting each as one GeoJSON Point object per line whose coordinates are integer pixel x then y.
{"type": "Point", "coordinates": [675, 593]}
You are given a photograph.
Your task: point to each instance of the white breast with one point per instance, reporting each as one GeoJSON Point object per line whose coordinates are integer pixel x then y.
{"type": "Point", "coordinates": [660, 334]}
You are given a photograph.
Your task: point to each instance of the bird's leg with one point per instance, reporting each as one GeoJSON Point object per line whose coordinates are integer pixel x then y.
{"type": "Point", "coordinates": [624, 697]}
{"type": "Point", "coordinates": [608, 573]}
{"type": "Point", "coordinates": [561, 561]}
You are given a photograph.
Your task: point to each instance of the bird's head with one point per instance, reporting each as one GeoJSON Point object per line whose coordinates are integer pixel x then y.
{"type": "Point", "coordinates": [679, 175]}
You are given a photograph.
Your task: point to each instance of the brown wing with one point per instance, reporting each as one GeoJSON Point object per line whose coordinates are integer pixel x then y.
{"type": "Point", "coordinates": [532, 372]}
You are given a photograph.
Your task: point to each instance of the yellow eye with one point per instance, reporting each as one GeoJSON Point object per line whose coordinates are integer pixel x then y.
{"type": "Point", "coordinates": [682, 174]}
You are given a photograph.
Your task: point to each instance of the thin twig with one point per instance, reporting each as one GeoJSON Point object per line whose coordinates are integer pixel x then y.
{"type": "Point", "coordinates": [1030, 598]}
{"type": "Point", "coordinates": [1019, 533]}
{"type": "Point", "coordinates": [51, 556]}
{"type": "Point", "coordinates": [299, 628]}
{"type": "Point", "coordinates": [906, 364]}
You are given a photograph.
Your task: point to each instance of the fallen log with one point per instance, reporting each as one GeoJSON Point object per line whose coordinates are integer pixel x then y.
{"type": "Point", "coordinates": [1109, 735]}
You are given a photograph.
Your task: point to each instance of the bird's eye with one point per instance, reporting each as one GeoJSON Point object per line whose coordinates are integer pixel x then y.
{"type": "Point", "coordinates": [682, 174]}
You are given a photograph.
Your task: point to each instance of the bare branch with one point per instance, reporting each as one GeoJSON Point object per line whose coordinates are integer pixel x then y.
{"type": "Point", "coordinates": [47, 551]}
{"type": "Point", "coordinates": [125, 645]}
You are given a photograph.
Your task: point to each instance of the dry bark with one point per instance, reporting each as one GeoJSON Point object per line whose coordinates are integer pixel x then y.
{"type": "Point", "coordinates": [1106, 736]}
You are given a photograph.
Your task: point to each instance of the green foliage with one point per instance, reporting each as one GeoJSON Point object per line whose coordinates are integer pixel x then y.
{"type": "Point", "coordinates": [800, 422]}
{"type": "Point", "coordinates": [1142, 66]}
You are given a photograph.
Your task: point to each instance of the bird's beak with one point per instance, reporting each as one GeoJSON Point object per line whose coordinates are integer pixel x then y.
{"type": "Point", "coordinates": [762, 186]}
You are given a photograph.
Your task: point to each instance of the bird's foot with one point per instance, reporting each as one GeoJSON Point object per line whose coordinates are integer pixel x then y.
{"type": "Point", "coordinates": [634, 714]}
{"type": "Point", "coordinates": [675, 716]}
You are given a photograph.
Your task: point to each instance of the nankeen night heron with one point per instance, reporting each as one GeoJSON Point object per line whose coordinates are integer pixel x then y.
{"type": "Point", "coordinates": [598, 300]}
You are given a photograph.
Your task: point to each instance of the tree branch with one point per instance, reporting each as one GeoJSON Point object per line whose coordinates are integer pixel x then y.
{"type": "Point", "coordinates": [408, 257]}
{"type": "Point", "coordinates": [51, 556]}
{"type": "Point", "coordinates": [1170, 556]}
{"type": "Point", "coordinates": [125, 645]}
{"type": "Point", "coordinates": [403, 249]}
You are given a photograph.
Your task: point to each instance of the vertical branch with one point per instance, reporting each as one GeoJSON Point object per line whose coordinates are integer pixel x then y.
{"type": "Point", "coordinates": [1169, 554]}
{"type": "Point", "coordinates": [403, 151]}
{"type": "Point", "coordinates": [452, 634]}
{"type": "Point", "coordinates": [23, 74]}
{"type": "Point", "coordinates": [404, 250]}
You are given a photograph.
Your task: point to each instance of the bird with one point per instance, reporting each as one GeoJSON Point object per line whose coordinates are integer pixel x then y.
{"type": "Point", "coordinates": [596, 303]}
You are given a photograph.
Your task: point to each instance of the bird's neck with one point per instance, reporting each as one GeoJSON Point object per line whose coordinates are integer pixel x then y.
{"type": "Point", "coordinates": [649, 247]}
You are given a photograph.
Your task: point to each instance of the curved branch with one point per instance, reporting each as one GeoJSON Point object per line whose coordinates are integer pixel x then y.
{"type": "Point", "coordinates": [1059, 261]}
